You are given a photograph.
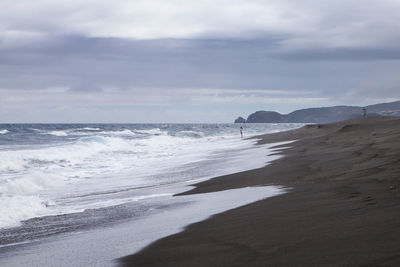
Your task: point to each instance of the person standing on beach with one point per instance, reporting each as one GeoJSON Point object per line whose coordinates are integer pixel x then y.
{"type": "Point", "coordinates": [241, 131]}
{"type": "Point", "coordinates": [364, 112]}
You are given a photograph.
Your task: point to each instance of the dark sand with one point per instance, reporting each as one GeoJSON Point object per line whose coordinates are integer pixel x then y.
{"type": "Point", "coordinates": [343, 208]}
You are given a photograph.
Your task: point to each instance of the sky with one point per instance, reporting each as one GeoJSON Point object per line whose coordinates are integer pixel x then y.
{"type": "Point", "coordinates": [151, 61]}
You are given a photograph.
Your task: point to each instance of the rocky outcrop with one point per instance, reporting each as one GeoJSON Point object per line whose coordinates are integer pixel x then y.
{"type": "Point", "coordinates": [265, 116]}
{"type": "Point", "coordinates": [240, 120]}
{"type": "Point", "coordinates": [325, 114]}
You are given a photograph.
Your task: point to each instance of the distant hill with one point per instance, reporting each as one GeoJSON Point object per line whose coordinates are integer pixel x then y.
{"type": "Point", "coordinates": [240, 120]}
{"type": "Point", "coordinates": [323, 115]}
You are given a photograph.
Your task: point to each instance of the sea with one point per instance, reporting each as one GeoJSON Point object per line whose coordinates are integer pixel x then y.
{"type": "Point", "coordinates": [58, 179]}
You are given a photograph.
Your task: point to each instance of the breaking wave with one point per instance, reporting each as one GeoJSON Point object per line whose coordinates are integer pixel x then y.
{"type": "Point", "coordinates": [62, 162]}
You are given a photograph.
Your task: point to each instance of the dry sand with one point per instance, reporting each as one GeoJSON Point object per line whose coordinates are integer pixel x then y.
{"type": "Point", "coordinates": [343, 208]}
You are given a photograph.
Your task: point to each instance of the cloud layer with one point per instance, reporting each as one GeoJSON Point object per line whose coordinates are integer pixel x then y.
{"type": "Point", "coordinates": [308, 22]}
{"type": "Point", "coordinates": [208, 60]}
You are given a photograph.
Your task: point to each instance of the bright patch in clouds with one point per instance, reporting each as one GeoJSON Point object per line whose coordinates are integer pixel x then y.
{"type": "Point", "coordinates": [309, 22]}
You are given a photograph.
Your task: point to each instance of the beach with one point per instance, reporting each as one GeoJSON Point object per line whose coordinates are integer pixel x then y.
{"type": "Point", "coordinates": [66, 188]}
{"type": "Point", "coordinates": [342, 207]}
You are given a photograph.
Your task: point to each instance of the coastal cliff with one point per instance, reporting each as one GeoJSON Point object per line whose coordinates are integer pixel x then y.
{"type": "Point", "coordinates": [325, 114]}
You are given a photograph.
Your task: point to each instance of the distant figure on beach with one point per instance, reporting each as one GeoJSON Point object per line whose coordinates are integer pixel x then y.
{"type": "Point", "coordinates": [364, 112]}
{"type": "Point", "coordinates": [241, 131]}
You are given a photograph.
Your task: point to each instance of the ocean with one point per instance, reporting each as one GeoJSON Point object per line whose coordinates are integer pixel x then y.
{"type": "Point", "coordinates": [67, 178]}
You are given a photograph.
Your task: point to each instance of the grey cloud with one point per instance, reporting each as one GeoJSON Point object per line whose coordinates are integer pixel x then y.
{"type": "Point", "coordinates": [77, 62]}
{"type": "Point", "coordinates": [83, 63]}
{"type": "Point", "coordinates": [119, 62]}
{"type": "Point", "coordinates": [343, 51]}
{"type": "Point", "coordinates": [341, 54]}
{"type": "Point", "coordinates": [158, 73]}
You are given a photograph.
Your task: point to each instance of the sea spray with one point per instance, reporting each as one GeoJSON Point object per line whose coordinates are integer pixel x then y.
{"type": "Point", "coordinates": [53, 169]}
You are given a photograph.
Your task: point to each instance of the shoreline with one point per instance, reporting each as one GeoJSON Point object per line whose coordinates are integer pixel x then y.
{"type": "Point", "coordinates": [343, 209]}
{"type": "Point", "coordinates": [150, 220]}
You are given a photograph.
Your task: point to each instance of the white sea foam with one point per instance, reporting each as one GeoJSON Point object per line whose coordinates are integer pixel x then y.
{"type": "Point", "coordinates": [14, 209]}
{"type": "Point", "coordinates": [125, 132]}
{"type": "Point", "coordinates": [30, 184]}
{"type": "Point", "coordinates": [53, 132]}
{"type": "Point", "coordinates": [85, 131]}
{"type": "Point", "coordinates": [58, 133]}
{"type": "Point", "coordinates": [154, 131]}
{"type": "Point", "coordinates": [19, 200]}
{"type": "Point", "coordinates": [32, 177]}
{"type": "Point", "coordinates": [89, 248]}
{"type": "Point", "coordinates": [20, 203]}
{"type": "Point", "coordinates": [3, 131]}
{"type": "Point", "coordinates": [64, 156]}
{"type": "Point", "coordinates": [79, 168]}
{"type": "Point", "coordinates": [85, 167]}
{"type": "Point", "coordinates": [190, 134]}
{"type": "Point", "coordinates": [91, 129]}
{"type": "Point", "coordinates": [109, 203]}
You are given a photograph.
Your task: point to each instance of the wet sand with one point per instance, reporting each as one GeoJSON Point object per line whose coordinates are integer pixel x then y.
{"type": "Point", "coordinates": [343, 208]}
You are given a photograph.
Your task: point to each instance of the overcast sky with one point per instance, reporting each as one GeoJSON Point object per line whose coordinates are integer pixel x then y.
{"type": "Point", "coordinates": [193, 61]}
